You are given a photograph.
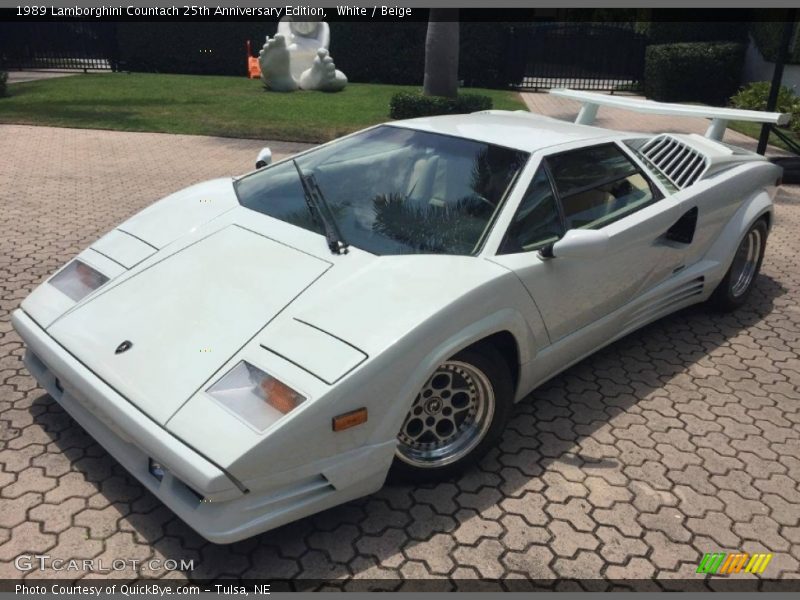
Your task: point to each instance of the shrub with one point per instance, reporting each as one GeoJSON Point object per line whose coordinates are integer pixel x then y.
{"type": "Point", "coordinates": [671, 32]}
{"type": "Point", "coordinates": [407, 105]}
{"type": "Point", "coordinates": [754, 97]}
{"type": "Point", "coordinates": [696, 72]}
{"type": "Point", "coordinates": [767, 37]}
{"type": "Point", "coordinates": [3, 80]}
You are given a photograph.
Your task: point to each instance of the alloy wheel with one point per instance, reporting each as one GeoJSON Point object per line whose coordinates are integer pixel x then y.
{"type": "Point", "coordinates": [449, 417]}
{"type": "Point", "coordinates": [745, 263]}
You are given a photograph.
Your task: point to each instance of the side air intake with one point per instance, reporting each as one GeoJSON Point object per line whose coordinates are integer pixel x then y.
{"type": "Point", "coordinates": [676, 161]}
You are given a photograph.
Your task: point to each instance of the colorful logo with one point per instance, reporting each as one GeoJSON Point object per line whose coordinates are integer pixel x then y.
{"type": "Point", "coordinates": [722, 563]}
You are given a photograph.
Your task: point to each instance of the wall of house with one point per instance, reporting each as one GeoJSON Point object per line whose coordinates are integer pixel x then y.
{"type": "Point", "coordinates": [758, 69]}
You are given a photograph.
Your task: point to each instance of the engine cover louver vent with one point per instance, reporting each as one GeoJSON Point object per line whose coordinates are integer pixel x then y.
{"type": "Point", "coordinates": [675, 160]}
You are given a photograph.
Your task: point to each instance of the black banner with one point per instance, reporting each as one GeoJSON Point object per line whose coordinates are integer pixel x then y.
{"type": "Point", "coordinates": [378, 13]}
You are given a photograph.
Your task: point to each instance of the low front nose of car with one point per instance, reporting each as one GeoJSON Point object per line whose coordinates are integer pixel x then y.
{"type": "Point", "coordinates": [190, 372]}
{"type": "Point", "coordinates": [286, 472]}
{"type": "Point", "coordinates": [158, 336]}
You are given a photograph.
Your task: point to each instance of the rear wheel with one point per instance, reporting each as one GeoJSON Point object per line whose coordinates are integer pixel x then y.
{"type": "Point", "coordinates": [738, 282]}
{"type": "Point", "coordinates": [456, 417]}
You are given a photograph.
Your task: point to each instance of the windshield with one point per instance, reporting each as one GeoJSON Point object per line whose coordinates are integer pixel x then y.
{"type": "Point", "coordinates": [393, 190]}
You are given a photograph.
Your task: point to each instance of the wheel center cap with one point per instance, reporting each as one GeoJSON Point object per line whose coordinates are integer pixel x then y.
{"type": "Point", "coordinates": [433, 406]}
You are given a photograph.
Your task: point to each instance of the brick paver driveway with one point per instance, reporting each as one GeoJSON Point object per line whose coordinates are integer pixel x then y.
{"type": "Point", "coordinates": [681, 439]}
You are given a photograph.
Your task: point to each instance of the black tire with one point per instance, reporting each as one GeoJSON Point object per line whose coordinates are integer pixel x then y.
{"type": "Point", "coordinates": [725, 298]}
{"type": "Point", "coordinates": [487, 361]}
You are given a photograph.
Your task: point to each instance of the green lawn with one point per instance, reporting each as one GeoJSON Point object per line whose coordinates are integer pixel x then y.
{"type": "Point", "coordinates": [753, 130]}
{"type": "Point", "coordinates": [205, 105]}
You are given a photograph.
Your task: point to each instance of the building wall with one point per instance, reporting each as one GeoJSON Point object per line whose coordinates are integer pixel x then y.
{"type": "Point", "coordinates": [758, 69]}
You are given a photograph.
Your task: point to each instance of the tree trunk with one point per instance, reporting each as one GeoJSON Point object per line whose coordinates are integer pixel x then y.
{"type": "Point", "coordinates": [441, 53]}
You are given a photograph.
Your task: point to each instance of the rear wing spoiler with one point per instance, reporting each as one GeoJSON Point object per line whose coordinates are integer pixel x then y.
{"type": "Point", "coordinates": [719, 116]}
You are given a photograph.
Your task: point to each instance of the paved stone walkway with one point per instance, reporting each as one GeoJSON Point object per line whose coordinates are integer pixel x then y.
{"type": "Point", "coordinates": [681, 439]}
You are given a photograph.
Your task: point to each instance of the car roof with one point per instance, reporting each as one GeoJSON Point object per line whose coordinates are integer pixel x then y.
{"type": "Point", "coordinates": [513, 129]}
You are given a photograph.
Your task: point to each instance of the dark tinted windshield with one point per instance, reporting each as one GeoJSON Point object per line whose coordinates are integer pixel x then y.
{"type": "Point", "coordinates": [394, 190]}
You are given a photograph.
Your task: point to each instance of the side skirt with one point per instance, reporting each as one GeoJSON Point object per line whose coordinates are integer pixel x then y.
{"type": "Point", "coordinates": [691, 286]}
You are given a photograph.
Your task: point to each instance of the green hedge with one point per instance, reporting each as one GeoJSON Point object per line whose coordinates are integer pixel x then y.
{"type": "Point", "coordinates": [671, 32]}
{"type": "Point", "coordinates": [767, 37]}
{"type": "Point", "coordinates": [754, 97]}
{"type": "Point", "coordinates": [693, 72]}
{"type": "Point", "coordinates": [392, 53]}
{"type": "Point", "coordinates": [407, 105]}
{"type": "Point", "coordinates": [3, 80]}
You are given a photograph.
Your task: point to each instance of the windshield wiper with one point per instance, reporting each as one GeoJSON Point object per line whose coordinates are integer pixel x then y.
{"type": "Point", "coordinates": [321, 210]}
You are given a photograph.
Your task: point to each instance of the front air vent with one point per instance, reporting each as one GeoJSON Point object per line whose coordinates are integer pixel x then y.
{"type": "Point", "coordinates": [675, 160]}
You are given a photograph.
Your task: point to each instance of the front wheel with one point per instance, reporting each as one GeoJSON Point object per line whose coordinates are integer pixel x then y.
{"type": "Point", "coordinates": [737, 284]}
{"type": "Point", "coordinates": [456, 417]}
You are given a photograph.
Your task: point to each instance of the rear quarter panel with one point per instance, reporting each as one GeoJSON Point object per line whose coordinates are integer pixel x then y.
{"type": "Point", "coordinates": [720, 197]}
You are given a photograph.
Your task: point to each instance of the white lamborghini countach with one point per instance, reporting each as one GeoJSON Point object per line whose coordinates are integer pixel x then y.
{"type": "Point", "coordinates": [258, 349]}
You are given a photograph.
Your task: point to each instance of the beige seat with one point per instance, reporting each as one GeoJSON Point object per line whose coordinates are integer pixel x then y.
{"type": "Point", "coordinates": [423, 176]}
{"type": "Point", "coordinates": [588, 206]}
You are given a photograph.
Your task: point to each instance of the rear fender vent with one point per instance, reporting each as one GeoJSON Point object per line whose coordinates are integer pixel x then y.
{"type": "Point", "coordinates": [675, 160]}
{"type": "Point", "coordinates": [670, 301]}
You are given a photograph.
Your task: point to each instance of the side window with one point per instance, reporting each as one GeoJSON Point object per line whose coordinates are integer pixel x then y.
{"type": "Point", "coordinates": [598, 185]}
{"type": "Point", "coordinates": [537, 222]}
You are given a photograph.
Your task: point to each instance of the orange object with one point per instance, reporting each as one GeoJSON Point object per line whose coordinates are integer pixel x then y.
{"type": "Point", "coordinates": [350, 419]}
{"type": "Point", "coordinates": [253, 68]}
{"type": "Point", "coordinates": [279, 396]}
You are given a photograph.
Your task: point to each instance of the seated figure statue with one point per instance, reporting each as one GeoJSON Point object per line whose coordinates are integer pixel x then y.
{"type": "Point", "coordinates": [298, 57]}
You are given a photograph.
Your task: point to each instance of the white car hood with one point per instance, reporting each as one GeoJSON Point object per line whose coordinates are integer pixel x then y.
{"type": "Point", "coordinates": [182, 212]}
{"type": "Point", "coordinates": [185, 315]}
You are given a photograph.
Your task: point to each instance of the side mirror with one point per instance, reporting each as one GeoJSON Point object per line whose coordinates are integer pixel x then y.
{"type": "Point", "coordinates": [264, 158]}
{"type": "Point", "coordinates": [581, 243]}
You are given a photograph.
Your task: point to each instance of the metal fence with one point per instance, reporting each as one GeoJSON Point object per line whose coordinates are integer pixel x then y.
{"type": "Point", "coordinates": [585, 56]}
{"type": "Point", "coordinates": [75, 46]}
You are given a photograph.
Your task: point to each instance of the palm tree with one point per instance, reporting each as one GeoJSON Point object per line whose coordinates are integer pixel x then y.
{"type": "Point", "coordinates": [441, 53]}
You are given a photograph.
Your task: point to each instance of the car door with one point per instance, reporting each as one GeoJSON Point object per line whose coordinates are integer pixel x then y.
{"type": "Point", "coordinates": [595, 187]}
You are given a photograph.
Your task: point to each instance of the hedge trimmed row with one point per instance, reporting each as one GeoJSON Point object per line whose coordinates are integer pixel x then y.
{"type": "Point", "coordinates": [695, 61]}
{"type": "Point", "coordinates": [672, 32]}
{"type": "Point", "coordinates": [693, 72]}
{"type": "Point", "coordinates": [768, 34]}
{"type": "Point", "coordinates": [407, 105]}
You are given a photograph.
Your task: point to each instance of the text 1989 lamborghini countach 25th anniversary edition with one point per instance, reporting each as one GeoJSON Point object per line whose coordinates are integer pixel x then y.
{"type": "Point", "coordinates": [257, 349]}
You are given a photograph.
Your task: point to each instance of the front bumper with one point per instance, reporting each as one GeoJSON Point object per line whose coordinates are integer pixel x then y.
{"type": "Point", "coordinates": [201, 493]}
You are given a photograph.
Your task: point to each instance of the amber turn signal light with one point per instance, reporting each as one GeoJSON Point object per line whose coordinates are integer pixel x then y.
{"type": "Point", "coordinates": [350, 419]}
{"type": "Point", "coordinates": [279, 396]}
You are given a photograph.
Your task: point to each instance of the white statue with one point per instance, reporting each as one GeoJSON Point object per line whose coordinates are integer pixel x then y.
{"type": "Point", "coordinates": [298, 57]}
